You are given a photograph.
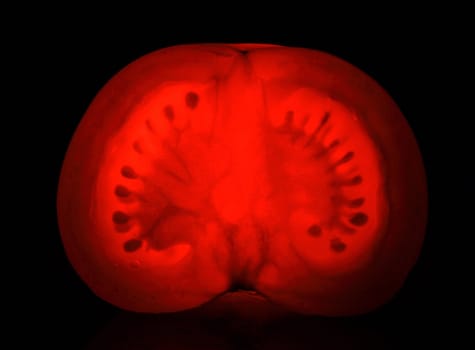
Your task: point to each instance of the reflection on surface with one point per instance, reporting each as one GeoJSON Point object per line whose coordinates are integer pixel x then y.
{"type": "Point", "coordinates": [242, 330]}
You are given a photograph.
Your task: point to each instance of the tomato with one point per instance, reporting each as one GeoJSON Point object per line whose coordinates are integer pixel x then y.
{"type": "Point", "coordinates": [198, 169]}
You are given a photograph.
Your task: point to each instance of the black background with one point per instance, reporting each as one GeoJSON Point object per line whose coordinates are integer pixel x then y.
{"type": "Point", "coordinates": [71, 62]}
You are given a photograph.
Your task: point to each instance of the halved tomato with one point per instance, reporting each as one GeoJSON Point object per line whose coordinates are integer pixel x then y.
{"type": "Point", "coordinates": [198, 169]}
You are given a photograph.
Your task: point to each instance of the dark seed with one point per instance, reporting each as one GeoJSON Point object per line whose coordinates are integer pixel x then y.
{"type": "Point", "coordinates": [314, 231]}
{"type": "Point", "coordinates": [356, 180]}
{"type": "Point", "coordinates": [346, 158]}
{"type": "Point", "coordinates": [132, 245]}
{"type": "Point", "coordinates": [192, 100]}
{"type": "Point", "coordinates": [128, 172]}
{"type": "Point", "coordinates": [120, 218]}
{"type": "Point", "coordinates": [353, 181]}
{"type": "Point", "coordinates": [348, 182]}
{"type": "Point", "coordinates": [333, 144]}
{"type": "Point", "coordinates": [169, 113]}
{"type": "Point", "coordinates": [325, 118]}
{"type": "Point", "coordinates": [359, 219]}
{"type": "Point", "coordinates": [121, 191]}
{"type": "Point", "coordinates": [337, 245]}
{"type": "Point", "coordinates": [356, 203]}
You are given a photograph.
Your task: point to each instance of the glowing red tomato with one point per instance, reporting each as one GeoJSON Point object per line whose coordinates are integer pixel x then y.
{"type": "Point", "coordinates": [284, 170]}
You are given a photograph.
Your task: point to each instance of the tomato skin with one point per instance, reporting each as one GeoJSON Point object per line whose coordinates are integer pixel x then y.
{"type": "Point", "coordinates": [282, 276]}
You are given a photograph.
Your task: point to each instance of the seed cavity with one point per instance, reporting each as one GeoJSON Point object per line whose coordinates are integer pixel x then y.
{"type": "Point", "coordinates": [169, 113]}
{"type": "Point", "coordinates": [120, 218]}
{"type": "Point", "coordinates": [359, 219]}
{"type": "Point", "coordinates": [132, 245]}
{"type": "Point", "coordinates": [121, 191]}
{"type": "Point", "coordinates": [192, 99]}
{"type": "Point", "coordinates": [356, 203]}
{"type": "Point", "coordinates": [314, 230]}
{"type": "Point", "coordinates": [128, 172]}
{"type": "Point", "coordinates": [337, 245]}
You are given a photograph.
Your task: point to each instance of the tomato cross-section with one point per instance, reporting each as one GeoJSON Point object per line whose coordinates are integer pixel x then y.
{"type": "Point", "coordinates": [198, 168]}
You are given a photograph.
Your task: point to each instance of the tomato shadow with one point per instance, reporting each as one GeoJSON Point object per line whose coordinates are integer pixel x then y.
{"type": "Point", "coordinates": [192, 330]}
